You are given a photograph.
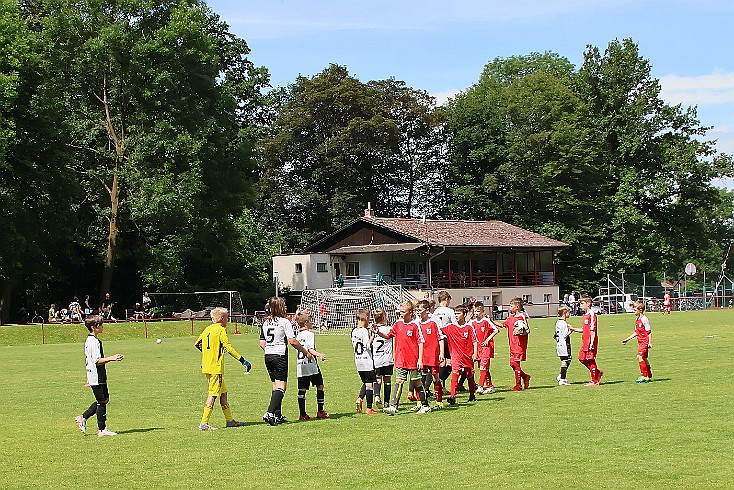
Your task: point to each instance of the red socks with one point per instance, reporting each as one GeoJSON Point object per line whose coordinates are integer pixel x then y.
{"type": "Point", "coordinates": [454, 384]}
{"type": "Point", "coordinates": [482, 377]}
{"type": "Point", "coordinates": [438, 389]}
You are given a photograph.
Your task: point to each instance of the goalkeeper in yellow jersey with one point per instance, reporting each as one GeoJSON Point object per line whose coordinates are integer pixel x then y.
{"type": "Point", "coordinates": [213, 342]}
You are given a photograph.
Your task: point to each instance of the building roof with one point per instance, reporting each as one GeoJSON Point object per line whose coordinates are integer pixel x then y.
{"type": "Point", "coordinates": [461, 233]}
{"type": "Point", "coordinates": [387, 247]}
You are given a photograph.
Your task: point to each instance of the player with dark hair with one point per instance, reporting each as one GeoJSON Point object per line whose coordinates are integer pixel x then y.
{"type": "Point", "coordinates": [363, 360]}
{"type": "Point", "coordinates": [96, 377]}
{"type": "Point", "coordinates": [485, 331]}
{"type": "Point", "coordinates": [308, 371]}
{"type": "Point", "coordinates": [382, 356]}
{"type": "Point", "coordinates": [463, 344]}
{"type": "Point", "coordinates": [643, 332]}
{"type": "Point", "coordinates": [589, 342]}
{"type": "Point", "coordinates": [446, 316]}
{"type": "Point", "coordinates": [433, 348]}
{"type": "Point", "coordinates": [517, 335]}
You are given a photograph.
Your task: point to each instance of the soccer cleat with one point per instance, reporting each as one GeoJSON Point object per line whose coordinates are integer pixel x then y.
{"type": "Point", "coordinates": [415, 408]}
{"type": "Point", "coordinates": [452, 400]}
{"type": "Point", "coordinates": [642, 379]}
{"type": "Point", "coordinates": [423, 409]}
{"type": "Point", "coordinates": [234, 423]}
{"type": "Point", "coordinates": [204, 427]}
{"type": "Point", "coordinates": [304, 417]}
{"type": "Point", "coordinates": [592, 383]}
{"type": "Point", "coordinates": [489, 390]}
{"type": "Point", "coordinates": [370, 411]}
{"type": "Point", "coordinates": [563, 382]}
{"type": "Point", "coordinates": [81, 423]}
{"type": "Point", "coordinates": [526, 380]}
{"type": "Point", "coordinates": [322, 415]}
{"type": "Point", "coordinates": [378, 402]}
{"type": "Point", "coordinates": [359, 405]}
{"type": "Point", "coordinates": [598, 378]}
{"type": "Point", "coordinates": [472, 398]}
{"type": "Point", "coordinates": [280, 419]}
{"type": "Point", "coordinates": [390, 410]}
{"type": "Point", "coordinates": [480, 390]}
{"type": "Point", "coordinates": [105, 432]}
{"type": "Point", "coordinates": [517, 387]}
{"type": "Point", "coordinates": [438, 406]}
{"type": "Point", "coordinates": [270, 418]}
{"type": "Point", "coordinates": [558, 378]}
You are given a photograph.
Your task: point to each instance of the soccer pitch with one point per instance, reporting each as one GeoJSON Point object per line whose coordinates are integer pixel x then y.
{"type": "Point", "coordinates": [677, 431]}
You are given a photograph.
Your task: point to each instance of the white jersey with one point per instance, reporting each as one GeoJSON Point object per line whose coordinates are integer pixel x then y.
{"type": "Point", "coordinates": [93, 352]}
{"type": "Point", "coordinates": [445, 314]}
{"type": "Point", "coordinates": [362, 350]}
{"type": "Point", "coordinates": [563, 341]}
{"type": "Point", "coordinates": [304, 367]}
{"type": "Point", "coordinates": [276, 332]}
{"type": "Point", "coordinates": [382, 349]}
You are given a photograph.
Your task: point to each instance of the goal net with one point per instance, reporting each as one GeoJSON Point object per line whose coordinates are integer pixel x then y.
{"type": "Point", "coordinates": [332, 310]}
{"type": "Point", "coordinates": [198, 304]}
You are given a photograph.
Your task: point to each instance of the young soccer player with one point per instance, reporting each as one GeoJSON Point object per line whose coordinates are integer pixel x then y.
{"type": "Point", "coordinates": [96, 377]}
{"type": "Point", "coordinates": [643, 332]}
{"type": "Point", "coordinates": [446, 316]}
{"type": "Point", "coordinates": [666, 303]}
{"type": "Point", "coordinates": [433, 348]}
{"type": "Point", "coordinates": [212, 343]}
{"type": "Point", "coordinates": [276, 332]}
{"type": "Point", "coordinates": [517, 334]}
{"type": "Point", "coordinates": [463, 344]}
{"type": "Point", "coordinates": [563, 343]}
{"type": "Point", "coordinates": [308, 371]}
{"type": "Point", "coordinates": [408, 356]}
{"type": "Point", "coordinates": [363, 360]}
{"type": "Point", "coordinates": [589, 342]}
{"type": "Point", "coordinates": [485, 331]}
{"type": "Point", "coordinates": [382, 355]}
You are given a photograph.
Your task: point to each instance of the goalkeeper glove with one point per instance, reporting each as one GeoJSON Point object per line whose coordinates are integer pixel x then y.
{"type": "Point", "coordinates": [246, 363]}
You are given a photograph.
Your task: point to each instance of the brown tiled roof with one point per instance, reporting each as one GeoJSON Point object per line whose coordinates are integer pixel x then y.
{"type": "Point", "coordinates": [466, 233]}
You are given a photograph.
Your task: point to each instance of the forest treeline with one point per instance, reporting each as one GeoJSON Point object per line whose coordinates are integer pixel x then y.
{"type": "Point", "coordinates": [140, 148]}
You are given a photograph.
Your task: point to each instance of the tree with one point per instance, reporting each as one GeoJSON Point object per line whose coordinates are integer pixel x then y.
{"type": "Point", "coordinates": [164, 108]}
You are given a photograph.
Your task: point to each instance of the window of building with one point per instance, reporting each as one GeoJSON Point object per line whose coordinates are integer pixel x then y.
{"type": "Point", "coordinates": [299, 268]}
{"type": "Point", "coordinates": [321, 267]}
{"type": "Point", "coordinates": [352, 269]}
{"type": "Point", "coordinates": [527, 298]}
{"type": "Point", "coordinates": [547, 298]}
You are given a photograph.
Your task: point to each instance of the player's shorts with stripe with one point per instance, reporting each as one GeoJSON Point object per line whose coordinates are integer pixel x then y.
{"type": "Point", "coordinates": [431, 369]}
{"type": "Point", "coordinates": [587, 355]}
{"type": "Point", "coordinates": [485, 354]}
{"type": "Point", "coordinates": [564, 358]}
{"type": "Point", "coordinates": [643, 351]}
{"type": "Point", "coordinates": [100, 392]}
{"type": "Point", "coordinates": [368, 376]}
{"type": "Point", "coordinates": [277, 366]}
{"type": "Point", "coordinates": [407, 374]}
{"type": "Point", "coordinates": [384, 370]}
{"type": "Point", "coordinates": [216, 384]}
{"type": "Point", "coordinates": [467, 371]}
{"type": "Point", "coordinates": [304, 382]}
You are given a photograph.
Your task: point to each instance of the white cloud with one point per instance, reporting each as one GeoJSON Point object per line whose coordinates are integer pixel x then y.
{"type": "Point", "coordinates": [443, 97]}
{"type": "Point", "coordinates": [712, 89]}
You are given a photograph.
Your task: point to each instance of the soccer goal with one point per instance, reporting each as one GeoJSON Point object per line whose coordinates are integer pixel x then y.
{"type": "Point", "coordinates": [332, 310]}
{"type": "Point", "coordinates": [197, 304]}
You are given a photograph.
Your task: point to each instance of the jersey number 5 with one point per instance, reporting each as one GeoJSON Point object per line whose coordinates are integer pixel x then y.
{"type": "Point", "coordinates": [270, 335]}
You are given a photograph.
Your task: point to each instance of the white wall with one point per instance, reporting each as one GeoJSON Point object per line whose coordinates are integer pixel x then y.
{"type": "Point", "coordinates": [503, 297]}
{"type": "Point", "coordinates": [309, 278]}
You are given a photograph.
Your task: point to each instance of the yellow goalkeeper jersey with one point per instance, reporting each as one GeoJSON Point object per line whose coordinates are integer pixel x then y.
{"type": "Point", "coordinates": [214, 342]}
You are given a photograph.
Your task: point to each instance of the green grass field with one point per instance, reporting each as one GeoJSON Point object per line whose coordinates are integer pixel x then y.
{"type": "Point", "coordinates": [675, 432]}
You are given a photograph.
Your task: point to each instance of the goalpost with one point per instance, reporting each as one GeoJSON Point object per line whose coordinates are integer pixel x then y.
{"type": "Point", "coordinates": [332, 310]}
{"type": "Point", "coordinates": [198, 304]}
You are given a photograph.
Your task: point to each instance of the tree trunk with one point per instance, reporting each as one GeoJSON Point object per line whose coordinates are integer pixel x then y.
{"type": "Point", "coordinates": [5, 303]}
{"type": "Point", "coordinates": [109, 263]}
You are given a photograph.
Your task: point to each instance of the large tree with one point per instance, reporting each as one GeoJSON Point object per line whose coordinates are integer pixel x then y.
{"type": "Point", "coordinates": [163, 110]}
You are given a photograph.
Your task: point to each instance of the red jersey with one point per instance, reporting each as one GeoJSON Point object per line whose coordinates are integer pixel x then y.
{"type": "Point", "coordinates": [642, 329]}
{"type": "Point", "coordinates": [589, 325]}
{"type": "Point", "coordinates": [518, 343]}
{"type": "Point", "coordinates": [483, 328]}
{"type": "Point", "coordinates": [461, 339]}
{"type": "Point", "coordinates": [432, 336]}
{"type": "Point", "coordinates": [408, 337]}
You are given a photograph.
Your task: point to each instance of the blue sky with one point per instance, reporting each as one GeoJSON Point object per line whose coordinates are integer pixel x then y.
{"type": "Point", "coordinates": [442, 46]}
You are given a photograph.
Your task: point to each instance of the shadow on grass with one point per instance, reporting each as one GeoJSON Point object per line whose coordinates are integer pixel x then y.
{"type": "Point", "coordinates": [616, 382]}
{"type": "Point", "coordinates": [133, 431]}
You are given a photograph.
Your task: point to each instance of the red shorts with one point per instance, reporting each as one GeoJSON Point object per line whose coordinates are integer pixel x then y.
{"type": "Point", "coordinates": [643, 351]}
{"type": "Point", "coordinates": [431, 369]}
{"type": "Point", "coordinates": [485, 354]}
{"type": "Point", "coordinates": [518, 356]}
{"type": "Point", "coordinates": [468, 371]}
{"type": "Point", "coordinates": [587, 355]}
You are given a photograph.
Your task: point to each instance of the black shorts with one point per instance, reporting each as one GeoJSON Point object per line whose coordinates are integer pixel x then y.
{"type": "Point", "coordinates": [305, 382]}
{"type": "Point", "coordinates": [101, 393]}
{"type": "Point", "coordinates": [564, 358]}
{"type": "Point", "coordinates": [368, 376]}
{"type": "Point", "coordinates": [384, 370]}
{"type": "Point", "coordinates": [277, 366]}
